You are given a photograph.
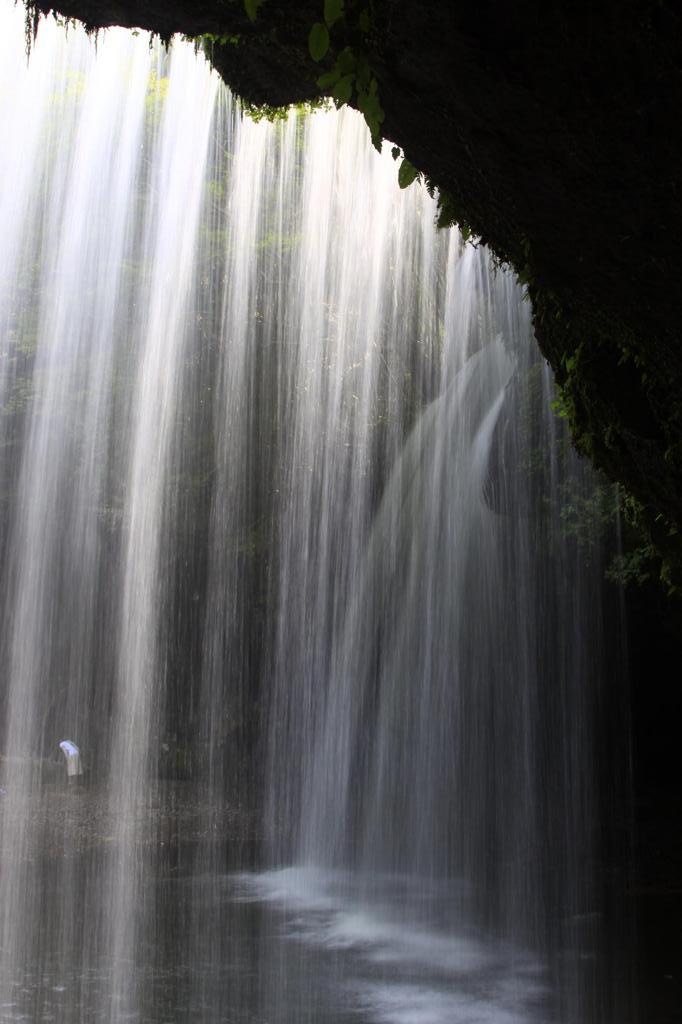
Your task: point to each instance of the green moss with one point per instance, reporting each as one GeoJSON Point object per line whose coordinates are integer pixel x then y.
{"type": "Point", "coordinates": [265, 112]}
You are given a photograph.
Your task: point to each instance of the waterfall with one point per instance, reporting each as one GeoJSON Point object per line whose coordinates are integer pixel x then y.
{"type": "Point", "coordinates": [285, 552]}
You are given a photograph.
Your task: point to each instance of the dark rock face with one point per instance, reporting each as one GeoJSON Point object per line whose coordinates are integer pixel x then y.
{"type": "Point", "coordinates": [555, 131]}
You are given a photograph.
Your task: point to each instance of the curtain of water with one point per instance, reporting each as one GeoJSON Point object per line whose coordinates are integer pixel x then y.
{"type": "Point", "coordinates": [281, 551]}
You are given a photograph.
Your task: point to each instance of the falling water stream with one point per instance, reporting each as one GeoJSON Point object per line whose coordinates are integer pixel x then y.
{"type": "Point", "coordinates": [285, 551]}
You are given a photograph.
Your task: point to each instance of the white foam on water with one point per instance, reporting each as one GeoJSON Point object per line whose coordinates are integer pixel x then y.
{"type": "Point", "coordinates": [462, 978]}
{"type": "Point", "coordinates": [418, 1004]}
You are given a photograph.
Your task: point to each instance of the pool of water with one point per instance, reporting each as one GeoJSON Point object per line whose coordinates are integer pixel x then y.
{"type": "Point", "coordinates": [280, 947]}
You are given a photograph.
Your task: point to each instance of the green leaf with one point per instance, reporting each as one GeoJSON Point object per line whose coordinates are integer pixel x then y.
{"type": "Point", "coordinates": [363, 101]}
{"type": "Point", "coordinates": [364, 21]}
{"type": "Point", "coordinates": [363, 72]}
{"type": "Point", "coordinates": [329, 78]}
{"type": "Point", "coordinates": [406, 174]}
{"type": "Point", "coordinates": [395, 152]}
{"type": "Point", "coordinates": [345, 62]}
{"type": "Point", "coordinates": [251, 8]}
{"type": "Point", "coordinates": [333, 10]}
{"type": "Point", "coordinates": [370, 105]}
{"type": "Point", "coordinates": [343, 89]}
{"type": "Point", "coordinates": [318, 41]}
